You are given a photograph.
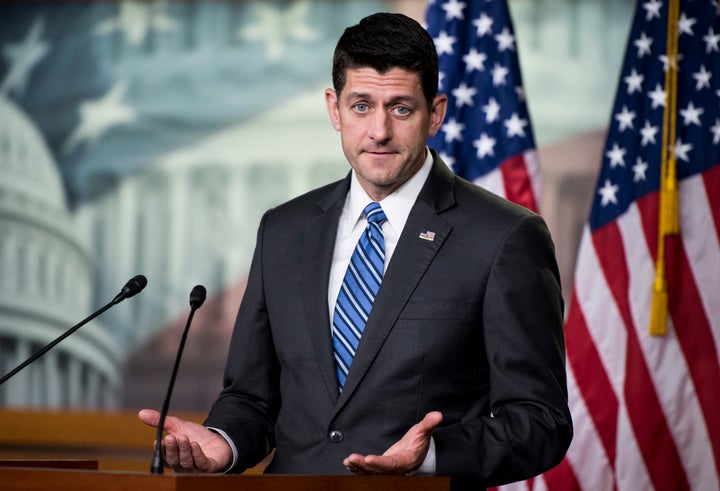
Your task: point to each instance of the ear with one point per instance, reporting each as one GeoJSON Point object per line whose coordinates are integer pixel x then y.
{"type": "Point", "coordinates": [437, 113]}
{"type": "Point", "coordinates": [331, 103]}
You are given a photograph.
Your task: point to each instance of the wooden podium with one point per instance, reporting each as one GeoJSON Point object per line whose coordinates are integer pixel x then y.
{"type": "Point", "coordinates": [71, 451]}
{"type": "Point", "coordinates": [45, 479]}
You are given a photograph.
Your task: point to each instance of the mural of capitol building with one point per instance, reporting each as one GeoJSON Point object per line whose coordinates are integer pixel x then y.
{"type": "Point", "coordinates": [46, 282]}
{"type": "Point", "coordinates": [190, 218]}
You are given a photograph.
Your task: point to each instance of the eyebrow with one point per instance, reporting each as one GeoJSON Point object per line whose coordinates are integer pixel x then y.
{"type": "Point", "coordinates": [397, 99]}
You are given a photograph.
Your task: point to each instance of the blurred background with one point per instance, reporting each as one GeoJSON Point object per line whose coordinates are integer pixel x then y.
{"type": "Point", "coordinates": [149, 137]}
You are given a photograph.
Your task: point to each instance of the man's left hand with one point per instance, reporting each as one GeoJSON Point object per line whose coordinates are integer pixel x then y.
{"type": "Point", "coordinates": [403, 457]}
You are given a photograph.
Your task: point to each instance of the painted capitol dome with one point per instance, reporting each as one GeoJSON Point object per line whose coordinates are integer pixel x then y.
{"type": "Point", "coordinates": [46, 283]}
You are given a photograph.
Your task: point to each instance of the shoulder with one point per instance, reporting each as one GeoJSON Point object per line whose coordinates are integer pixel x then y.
{"type": "Point", "coordinates": [470, 194]}
{"type": "Point", "coordinates": [450, 193]}
{"type": "Point", "coordinates": [469, 204]}
{"type": "Point", "coordinates": [481, 216]}
{"type": "Point", "coordinates": [311, 203]}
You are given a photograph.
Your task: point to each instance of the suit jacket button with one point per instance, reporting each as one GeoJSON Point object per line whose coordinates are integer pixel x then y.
{"type": "Point", "coordinates": [335, 436]}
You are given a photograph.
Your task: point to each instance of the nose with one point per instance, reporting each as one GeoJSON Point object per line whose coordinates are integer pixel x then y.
{"type": "Point", "coordinates": [380, 127]}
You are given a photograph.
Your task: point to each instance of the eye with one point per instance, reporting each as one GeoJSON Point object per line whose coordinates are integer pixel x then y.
{"type": "Point", "coordinates": [402, 111]}
{"type": "Point", "coordinates": [360, 107]}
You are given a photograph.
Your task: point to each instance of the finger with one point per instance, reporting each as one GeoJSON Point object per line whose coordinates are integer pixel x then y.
{"type": "Point", "coordinates": [367, 469]}
{"type": "Point", "coordinates": [370, 464]}
{"type": "Point", "coordinates": [171, 452]}
{"type": "Point", "coordinates": [149, 416]}
{"type": "Point", "coordinates": [172, 423]}
{"type": "Point", "coordinates": [186, 461]}
{"type": "Point", "coordinates": [152, 418]}
{"type": "Point", "coordinates": [382, 464]}
{"type": "Point", "coordinates": [200, 460]}
{"type": "Point", "coordinates": [355, 463]}
{"type": "Point", "coordinates": [356, 469]}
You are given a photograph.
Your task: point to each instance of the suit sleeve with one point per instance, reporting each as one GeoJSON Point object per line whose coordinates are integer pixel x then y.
{"type": "Point", "coordinates": [530, 427]}
{"type": "Point", "coordinates": [247, 407]}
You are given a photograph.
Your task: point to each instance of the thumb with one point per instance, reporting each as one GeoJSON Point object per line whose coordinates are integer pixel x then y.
{"type": "Point", "coordinates": [431, 420]}
{"type": "Point", "coordinates": [152, 418]}
{"type": "Point", "coordinates": [149, 416]}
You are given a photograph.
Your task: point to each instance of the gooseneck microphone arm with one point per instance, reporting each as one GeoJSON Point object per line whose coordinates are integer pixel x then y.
{"type": "Point", "coordinates": [131, 288]}
{"type": "Point", "coordinates": [197, 297]}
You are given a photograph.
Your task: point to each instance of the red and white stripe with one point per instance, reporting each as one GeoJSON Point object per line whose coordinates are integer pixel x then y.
{"type": "Point", "coordinates": [517, 179]}
{"type": "Point", "coordinates": [646, 409]}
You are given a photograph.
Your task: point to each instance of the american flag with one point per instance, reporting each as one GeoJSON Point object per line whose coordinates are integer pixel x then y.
{"type": "Point", "coordinates": [487, 135]}
{"type": "Point", "coordinates": [646, 408]}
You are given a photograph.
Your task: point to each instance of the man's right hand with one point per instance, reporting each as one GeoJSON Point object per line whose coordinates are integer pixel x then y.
{"type": "Point", "coordinates": [188, 446]}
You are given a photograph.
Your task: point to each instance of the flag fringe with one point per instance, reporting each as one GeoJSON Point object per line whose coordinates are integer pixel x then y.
{"type": "Point", "coordinates": [669, 219]}
{"type": "Point", "coordinates": [659, 307]}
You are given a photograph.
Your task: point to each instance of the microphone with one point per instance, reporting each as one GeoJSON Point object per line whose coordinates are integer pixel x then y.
{"type": "Point", "coordinates": [197, 297]}
{"type": "Point", "coordinates": [132, 287]}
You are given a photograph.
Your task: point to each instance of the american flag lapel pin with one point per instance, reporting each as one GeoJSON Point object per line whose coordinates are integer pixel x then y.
{"type": "Point", "coordinates": [428, 235]}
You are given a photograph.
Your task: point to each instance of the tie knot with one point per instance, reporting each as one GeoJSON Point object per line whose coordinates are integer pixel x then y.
{"type": "Point", "coordinates": [374, 213]}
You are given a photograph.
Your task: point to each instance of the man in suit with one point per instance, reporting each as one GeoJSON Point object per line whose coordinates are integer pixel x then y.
{"type": "Point", "coordinates": [459, 370]}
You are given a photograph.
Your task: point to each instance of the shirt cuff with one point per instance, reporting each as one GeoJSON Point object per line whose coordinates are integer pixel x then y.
{"type": "Point", "coordinates": [232, 447]}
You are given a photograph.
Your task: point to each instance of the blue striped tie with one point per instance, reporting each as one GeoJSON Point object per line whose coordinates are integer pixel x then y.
{"type": "Point", "coordinates": [360, 285]}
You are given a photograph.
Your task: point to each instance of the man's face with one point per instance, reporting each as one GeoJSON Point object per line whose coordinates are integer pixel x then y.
{"type": "Point", "coordinates": [384, 124]}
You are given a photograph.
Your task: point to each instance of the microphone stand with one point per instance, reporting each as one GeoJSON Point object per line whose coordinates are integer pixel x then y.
{"type": "Point", "coordinates": [197, 297]}
{"type": "Point", "coordinates": [125, 293]}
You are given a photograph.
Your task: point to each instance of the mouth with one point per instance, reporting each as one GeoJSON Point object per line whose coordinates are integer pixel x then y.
{"type": "Point", "coordinates": [380, 152]}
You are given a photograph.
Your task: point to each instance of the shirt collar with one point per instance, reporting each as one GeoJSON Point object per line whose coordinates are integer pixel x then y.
{"type": "Point", "coordinates": [397, 205]}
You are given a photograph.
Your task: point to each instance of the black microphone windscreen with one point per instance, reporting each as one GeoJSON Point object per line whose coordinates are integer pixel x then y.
{"type": "Point", "coordinates": [134, 286]}
{"type": "Point", "coordinates": [197, 296]}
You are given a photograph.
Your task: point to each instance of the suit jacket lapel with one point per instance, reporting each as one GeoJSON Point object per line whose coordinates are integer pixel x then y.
{"type": "Point", "coordinates": [413, 254]}
{"type": "Point", "coordinates": [317, 258]}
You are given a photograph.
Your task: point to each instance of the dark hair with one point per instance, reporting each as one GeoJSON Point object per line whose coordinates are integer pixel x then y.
{"type": "Point", "coordinates": [385, 41]}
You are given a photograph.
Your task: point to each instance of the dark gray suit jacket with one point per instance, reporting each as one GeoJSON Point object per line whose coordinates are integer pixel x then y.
{"type": "Point", "coordinates": [469, 324]}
